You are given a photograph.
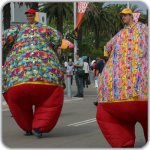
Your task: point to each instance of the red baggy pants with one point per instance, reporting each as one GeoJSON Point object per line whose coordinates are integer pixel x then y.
{"type": "Point", "coordinates": [117, 121]}
{"type": "Point", "coordinates": [48, 101]}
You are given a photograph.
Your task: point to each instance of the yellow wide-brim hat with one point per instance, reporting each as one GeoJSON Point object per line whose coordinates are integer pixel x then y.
{"type": "Point", "coordinates": [126, 11]}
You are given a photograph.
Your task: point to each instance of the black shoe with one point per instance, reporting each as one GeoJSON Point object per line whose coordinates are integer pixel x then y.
{"type": "Point", "coordinates": [87, 86]}
{"type": "Point", "coordinates": [76, 95]}
{"type": "Point", "coordinates": [38, 133]}
{"type": "Point", "coordinates": [95, 103]}
{"type": "Point", "coordinates": [28, 133]}
{"type": "Point", "coordinates": [124, 147]}
{"type": "Point", "coordinates": [81, 95]}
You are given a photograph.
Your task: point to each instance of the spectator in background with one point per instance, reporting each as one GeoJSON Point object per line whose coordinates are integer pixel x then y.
{"type": "Point", "coordinates": [94, 71]}
{"type": "Point", "coordinates": [86, 75]}
{"type": "Point", "coordinates": [98, 70]}
{"type": "Point", "coordinates": [70, 68]}
{"type": "Point", "coordinates": [92, 64]}
{"type": "Point", "coordinates": [100, 66]}
{"type": "Point", "coordinates": [105, 59]}
{"type": "Point", "coordinates": [79, 79]}
{"type": "Point", "coordinates": [59, 55]}
{"type": "Point", "coordinates": [65, 64]}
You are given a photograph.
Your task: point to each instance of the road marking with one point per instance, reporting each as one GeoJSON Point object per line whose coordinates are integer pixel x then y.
{"type": "Point", "coordinates": [83, 122]}
{"type": "Point", "coordinates": [76, 99]}
{"type": "Point", "coordinates": [91, 95]}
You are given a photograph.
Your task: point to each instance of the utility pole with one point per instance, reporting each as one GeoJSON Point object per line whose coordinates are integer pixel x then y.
{"type": "Point", "coordinates": [75, 19]}
{"type": "Point", "coordinates": [128, 4]}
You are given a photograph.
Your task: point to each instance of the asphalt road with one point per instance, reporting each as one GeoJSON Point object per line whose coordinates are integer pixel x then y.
{"type": "Point", "coordinates": [76, 127]}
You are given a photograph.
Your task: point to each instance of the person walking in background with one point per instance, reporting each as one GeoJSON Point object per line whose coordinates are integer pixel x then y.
{"type": "Point", "coordinates": [105, 58]}
{"type": "Point", "coordinates": [79, 79]}
{"type": "Point", "coordinates": [29, 75]}
{"type": "Point", "coordinates": [70, 68]}
{"type": "Point", "coordinates": [92, 64]}
{"type": "Point", "coordinates": [86, 73]}
{"type": "Point", "coordinates": [123, 84]}
{"type": "Point", "coordinates": [65, 64]}
{"type": "Point", "coordinates": [59, 55]}
{"type": "Point", "coordinates": [98, 70]}
{"type": "Point", "coordinates": [94, 72]}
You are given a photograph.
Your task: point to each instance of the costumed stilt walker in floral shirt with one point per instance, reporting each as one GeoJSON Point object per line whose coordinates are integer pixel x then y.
{"type": "Point", "coordinates": [32, 75]}
{"type": "Point", "coordinates": [123, 84]}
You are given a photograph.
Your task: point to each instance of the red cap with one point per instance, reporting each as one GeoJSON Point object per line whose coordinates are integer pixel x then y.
{"type": "Point", "coordinates": [31, 11]}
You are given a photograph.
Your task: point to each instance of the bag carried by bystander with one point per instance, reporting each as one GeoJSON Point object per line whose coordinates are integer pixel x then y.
{"type": "Point", "coordinates": [80, 73]}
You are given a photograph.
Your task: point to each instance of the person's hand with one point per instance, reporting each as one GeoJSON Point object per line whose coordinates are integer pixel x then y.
{"type": "Point", "coordinates": [3, 42]}
{"type": "Point", "coordinates": [74, 65]}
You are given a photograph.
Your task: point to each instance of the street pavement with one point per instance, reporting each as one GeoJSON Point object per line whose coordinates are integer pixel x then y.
{"type": "Point", "coordinates": [76, 127]}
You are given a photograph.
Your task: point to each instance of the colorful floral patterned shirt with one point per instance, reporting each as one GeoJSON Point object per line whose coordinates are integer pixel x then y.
{"type": "Point", "coordinates": [32, 56]}
{"type": "Point", "coordinates": [125, 75]}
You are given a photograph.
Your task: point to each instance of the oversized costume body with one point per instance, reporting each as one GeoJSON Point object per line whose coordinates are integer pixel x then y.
{"type": "Point", "coordinates": [123, 86]}
{"type": "Point", "coordinates": [32, 75]}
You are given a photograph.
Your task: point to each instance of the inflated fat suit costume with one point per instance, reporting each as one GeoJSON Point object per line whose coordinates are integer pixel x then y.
{"type": "Point", "coordinates": [123, 87]}
{"type": "Point", "coordinates": [32, 75]}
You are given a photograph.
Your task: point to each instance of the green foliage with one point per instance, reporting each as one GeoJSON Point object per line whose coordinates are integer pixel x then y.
{"type": "Point", "coordinates": [143, 18]}
{"type": "Point", "coordinates": [58, 12]}
{"type": "Point", "coordinates": [96, 53]}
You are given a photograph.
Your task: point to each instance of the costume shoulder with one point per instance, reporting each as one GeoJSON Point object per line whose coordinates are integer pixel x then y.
{"type": "Point", "coordinates": [42, 25]}
{"type": "Point", "coordinates": [46, 26]}
{"type": "Point", "coordinates": [12, 28]}
{"type": "Point", "coordinates": [141, 25]}
{"type": "Point", "coordinates": [142, 28]}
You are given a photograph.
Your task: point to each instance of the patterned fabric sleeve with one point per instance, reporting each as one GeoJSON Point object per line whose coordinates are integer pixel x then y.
{"type": "Point", "coordinates": [108, 47]}
{"type": "Point", "coordinates": [146, 31]}
{"type": "Point", "coordinates": [110, 44]}
{"type": "Point", "coordinates": [10, 34]}
{"type": "Point", "coordinates": [55, 38]}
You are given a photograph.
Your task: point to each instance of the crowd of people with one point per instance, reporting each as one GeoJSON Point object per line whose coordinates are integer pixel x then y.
{"type": "Point", "coordinates": [83, 81]}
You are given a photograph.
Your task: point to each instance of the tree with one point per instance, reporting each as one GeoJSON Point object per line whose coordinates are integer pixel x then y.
{"type": "Point", "coordinates": [143, 18]}
{"type": "Point", "coordinates": [6, 16]}
{"type": "Point", "coordinates": [58, 12]}
{"type": "Point", "coordinates": [98, 23]}
{"type": "Point", "coordinates": [112, 11]}
{"type": "Point", "coordinates": [22, 3]}
{"type": "Point", "coordinates": [35, 6]}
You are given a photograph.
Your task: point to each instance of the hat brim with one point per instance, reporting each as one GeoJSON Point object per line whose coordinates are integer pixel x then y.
{"type": "Point", "coordinates": [121, 13]}
{"type": "Point", "coordinates": [29, 13]}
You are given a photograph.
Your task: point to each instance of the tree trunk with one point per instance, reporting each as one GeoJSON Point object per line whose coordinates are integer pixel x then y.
{"type": "Point", "coordinates": [97, 41]}
{"type": "Point", "coordinates": [35, 6]}
{"type": "Point", "coordinates": [80, 35]}
{"type": "Point", "coordinates": [6, 16]}
{"type": "Point", "coordinates": [60, 24]}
